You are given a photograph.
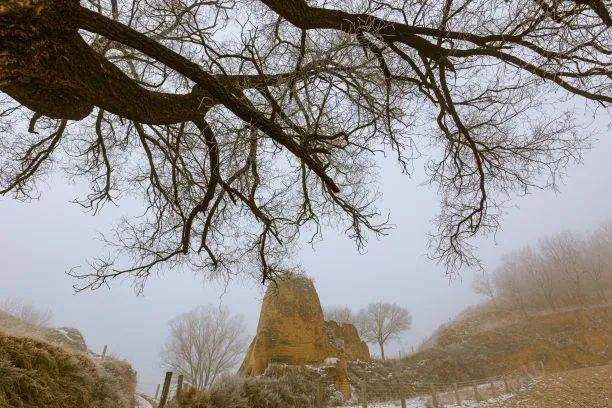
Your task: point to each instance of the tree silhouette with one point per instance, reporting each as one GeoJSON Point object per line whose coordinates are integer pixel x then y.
{"type": "Point", "coordinates": [242, 123]}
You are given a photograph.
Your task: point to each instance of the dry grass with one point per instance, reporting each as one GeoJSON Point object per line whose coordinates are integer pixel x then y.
{"type": "Point", "coordinates": [587, 387]}
{"type": "Point", "coordinates": [280, 386]}
{"type": "Point", "coordinates": [35, 373]}
{"type": "Point", "coordinates": [14, 326]}
{"type": "Point", "coordinates": [487, 342]}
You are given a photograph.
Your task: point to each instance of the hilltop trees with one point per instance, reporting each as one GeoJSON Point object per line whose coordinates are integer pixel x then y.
{"type": "Point", "coordinates": [339, 314]}
{"type": "Point", "coordinates": [243, 123]}
{"type": "Point", "coordinates": [205, 344]}
{"type": "Point", "coordinates": [482, 285]}
{"type": "Point", "coordinates": [565, 270]}
{"type": "Point", "coordinates": [27, 312]}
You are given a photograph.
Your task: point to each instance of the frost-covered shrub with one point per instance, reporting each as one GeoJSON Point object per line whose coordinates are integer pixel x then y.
{"type": "Point", "coordinates": [36, 374]}
{"type": "Point", "coordinates": [280, 388]}
{"type": "Point", "coordinates": [336, 399]}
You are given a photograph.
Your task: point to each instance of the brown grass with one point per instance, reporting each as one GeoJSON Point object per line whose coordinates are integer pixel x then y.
{"type": "Point", "coordinates": [586, 387]}
{"type": "Point", "coordinates": [35, 373]}
{"type": "Point", "coordinates": [488, 342]}
{"type": "Point", "coordinates": [14, 326]}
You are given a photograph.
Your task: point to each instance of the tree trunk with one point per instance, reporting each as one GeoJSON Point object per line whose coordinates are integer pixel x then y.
{"type": "Point", "coordinates": [382, 350]}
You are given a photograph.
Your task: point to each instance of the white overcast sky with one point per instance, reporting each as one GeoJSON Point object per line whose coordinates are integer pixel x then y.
{"type": "Point", "coordinates": [39, 241]}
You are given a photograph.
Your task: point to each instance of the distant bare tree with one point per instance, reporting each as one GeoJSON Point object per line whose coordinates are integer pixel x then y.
{"type": "Point", "coordinates": [543, 279]}
{"type": "Point", "coordinates": [339, 314]}
{"type": "Point", "coordinates": [564, 251]}
{"type": "Point", "coordinates": [382, 322]}
{"type": "Point", "coordinates": [204, 344]}
{"type": "Point", "coordinates": [510, 285]}
{"type": "Point", "coordinates": [27, 312]}
{"type": "Point", "coordinates": [483, 285]}
{"type": "Point", "coordinates": [599, 258]}
{"type": "Point", "coordinates": [565, 270]}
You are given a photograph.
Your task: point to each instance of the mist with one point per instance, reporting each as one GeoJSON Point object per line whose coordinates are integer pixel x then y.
{"type": "Point", "coordinates": [42, 239]}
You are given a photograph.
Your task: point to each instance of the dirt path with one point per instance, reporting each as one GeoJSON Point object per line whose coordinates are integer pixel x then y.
{"type": "Point", "coordinates": [142, 403]}
{"type": "Point", "coordinates": [585, 388]}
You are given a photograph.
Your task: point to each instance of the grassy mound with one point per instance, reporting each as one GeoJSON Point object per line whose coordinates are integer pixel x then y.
{"type": "Point", "coordinates": [36, 374]}
{"type": "Point", "coordinates": [487, 341]}
{"type": "Point", "coordinates": [12, 325]}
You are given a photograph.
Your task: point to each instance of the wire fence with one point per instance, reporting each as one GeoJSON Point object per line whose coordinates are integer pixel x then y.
{"type": "Point", "coordinates": [393, 390]}
{"type": "Point", "coordinates": [440, 394]}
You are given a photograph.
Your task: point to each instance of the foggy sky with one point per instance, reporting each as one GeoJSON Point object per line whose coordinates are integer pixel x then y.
{"type": "Point", "coordinates": [39, 241]}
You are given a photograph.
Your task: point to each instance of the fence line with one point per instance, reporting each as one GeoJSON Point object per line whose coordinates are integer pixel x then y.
{"type": "Point", "coordinates": [437, 393]}
{"type": "Point", "coordinates": [453, 393]}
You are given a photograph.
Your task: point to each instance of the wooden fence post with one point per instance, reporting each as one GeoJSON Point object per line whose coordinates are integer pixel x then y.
{"type": "Point", "coordinates": [506, 386]}
{"type": "Point", "coordinates": [156, 392]}
{"type": "Point", "coordinates": [456, 392]}
{"type": "Point", "coordinates": [534, 369]}
{"type": "Point", "coordinates": [179, 387]}
{"type": "Point", "coordinates": [319, 398]}
{"type": "Point", "coordinates": [104, 352]}
{"type": "Point", "coordinates": [517, 379]}
{"type": "Point", "coordinates": [477, 397]}
{"type": "Point", "coordinates": [434, 396]}
{"type": "Point", "coordinates": [402, 395]}
{"type": "Point", "coordinates": [525, 371]}
{"type": "Point", "coordinates": [165, 390]}
{"type": "Point", "coordinates": [364, 395]}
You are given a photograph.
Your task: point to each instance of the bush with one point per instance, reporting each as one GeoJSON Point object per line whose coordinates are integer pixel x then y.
{"type": "Point", "coordinates": [280, 387]}
{"type": "Point", "coordinates": [37, 374]}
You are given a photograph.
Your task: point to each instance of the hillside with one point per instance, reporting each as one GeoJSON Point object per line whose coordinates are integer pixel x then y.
{"type": "Point", "coordinates": [66, 337]}
{"type": "Point", "coordinates": [586, 387]}
{"type": "Point", "coordinates": [41, 367]}
{"type": "Point", "coordinates": [486, 341]}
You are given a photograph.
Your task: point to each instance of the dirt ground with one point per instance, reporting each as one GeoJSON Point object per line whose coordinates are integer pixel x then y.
{"type": "Point", "coordinates": [588, 387]}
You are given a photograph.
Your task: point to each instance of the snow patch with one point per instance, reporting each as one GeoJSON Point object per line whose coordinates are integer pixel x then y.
{"type": "Point", "coordinates": [331, 361]}
{"type": "Point", "coordinates": [142, 403]}
{"type": "Point", "coordinates": [422, 403]}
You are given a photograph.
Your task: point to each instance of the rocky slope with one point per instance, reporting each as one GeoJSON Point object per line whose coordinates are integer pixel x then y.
{"type": "Point", "coordinates": [292, 330]}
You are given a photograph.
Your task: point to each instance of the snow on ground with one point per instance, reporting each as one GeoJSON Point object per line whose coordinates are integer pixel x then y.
{"type": "Point", "coordinates": [422, 403]}
{"type": "Point", "coordinates": [142, 403]}
{"type": "Point", "coordinates": [493, 402]}
{"type": "Point", "coordinates": [412, 403]}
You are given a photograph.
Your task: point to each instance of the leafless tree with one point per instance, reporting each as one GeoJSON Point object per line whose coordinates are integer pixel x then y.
{"type": "Point", "coordinates": [541, 276]}
{"type": "Point", "coordinates": [510, 284]}
{"type": "Point", "coordinates": [27, 312]}
{"type": "Point", "coordinates": [241, 123]}
{"type": "Point", "coordinates": [599, 260]}
{"type": "Point", "coordinates": [565, 252]}
{"type": "Point", "coordinates": [204, 344]}
{"type": "Point", "coordinates": [566, 270]}
{"type": "Point", "coordinates": [382, 322]}
{"type": "Point", "coordinates": [339, 314]}
{"type": "Point", "coordinates": [483, 285]}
